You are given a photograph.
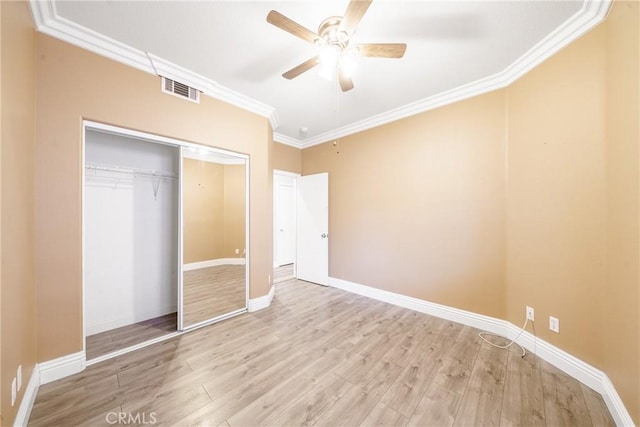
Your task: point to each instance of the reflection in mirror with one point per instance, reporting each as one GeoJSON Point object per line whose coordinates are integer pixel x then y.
{"type": "Point", "coordinates": [214, 235]}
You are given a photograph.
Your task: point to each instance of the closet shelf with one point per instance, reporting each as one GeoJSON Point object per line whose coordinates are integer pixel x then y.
{"type": "Point", "coordinates": [99, 167]}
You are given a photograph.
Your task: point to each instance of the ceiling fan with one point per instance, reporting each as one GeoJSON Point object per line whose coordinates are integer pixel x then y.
{"type": "Point", "coordinates": [333, 38]}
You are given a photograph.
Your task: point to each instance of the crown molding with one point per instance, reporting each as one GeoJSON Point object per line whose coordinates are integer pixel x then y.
{"type": "Point", "coordinates": [449, 97]}
{"type": "Point", "coordinates": [287, 140]}
{"type": "Point", "coordinates": [592, 13]}
{"type": "Point", "coordinates": [225, 94]}
{"type": "Point", "coordinates": [48, 22]}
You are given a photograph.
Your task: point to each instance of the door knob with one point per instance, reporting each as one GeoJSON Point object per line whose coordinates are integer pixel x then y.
{"type": "Point", "coordinates": [324, 235]}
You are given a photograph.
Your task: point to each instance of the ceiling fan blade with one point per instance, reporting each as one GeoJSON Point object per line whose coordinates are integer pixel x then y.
{"type": "Point", "coordinates": [382, 50]}
{"type": "Point", "coordinates": [345, 81]}
{"type": "Point", "coordinates": [290, 26]}
{"type": "Point", "coordinates": [353, 15]}
{"type": "Point", "coordinates": [299, 69]}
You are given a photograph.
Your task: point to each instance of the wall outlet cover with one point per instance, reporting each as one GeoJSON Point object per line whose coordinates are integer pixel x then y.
{"type": "Point", "coordinates": [554, 324]}
{"type": "Point", "coordinates": [530, 313]}
{"type": "Point", "coordinates": [19, 377]}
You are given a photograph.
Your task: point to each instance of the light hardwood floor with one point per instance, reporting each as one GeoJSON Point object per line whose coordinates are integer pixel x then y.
{"type": "Point", "coordinates": [126, 336]}
{"type": "Point", "coordinates": [208, 292]}
{"type": "Point", "coordinates": [321, 356]}
{"type": "Point", "coordinates": [213, 291]}
{"type": "Point", "coordinates": [282, 273]}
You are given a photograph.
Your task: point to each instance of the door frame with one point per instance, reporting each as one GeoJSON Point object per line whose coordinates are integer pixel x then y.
{"type": "Point", "coordinates": [324, 231]}
{"type": "Point", "coordinates": [295, 177]}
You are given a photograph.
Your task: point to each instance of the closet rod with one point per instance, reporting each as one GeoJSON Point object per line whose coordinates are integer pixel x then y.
{"type": "Point", "coordinates": [130, 171]}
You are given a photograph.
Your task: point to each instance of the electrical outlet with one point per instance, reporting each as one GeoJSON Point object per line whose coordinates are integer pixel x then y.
{"type": "Point", "coordinates": [269, 279]}
{"type": "Point", "coordinates": [554, 324]}
{"type": "Point", "coordinates": [237, 251]}
{"type": "Point", "coordinates": [14, 391]}
{"type": "Point", "coordinates": [19, 377]}
{"type": "Point", "coordinates": [530, 313]}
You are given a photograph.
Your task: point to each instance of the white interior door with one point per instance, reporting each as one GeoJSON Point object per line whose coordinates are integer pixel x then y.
{"type": "Point", "coordinates": [312, 217]}
{"type": "Point", "coordinates": [285, 223]}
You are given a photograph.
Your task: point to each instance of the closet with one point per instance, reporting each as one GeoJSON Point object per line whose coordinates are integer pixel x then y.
{"type": "Point", "coordinates": [131, 240]}
{"type": "Point", "coordinates": [164, 238]}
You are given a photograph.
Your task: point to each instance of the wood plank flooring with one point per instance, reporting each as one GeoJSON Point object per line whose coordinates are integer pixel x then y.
{"type": "Point", "coordinates": [282, 273]}
{"type": "Point", "coordinates": [126, 336]}
{"type": "Point", "coordinates": [213, 291]}
{"type": "Point", "coordinates": [322, 356]}
{"type": "Point", "coordinates": [208, 292]}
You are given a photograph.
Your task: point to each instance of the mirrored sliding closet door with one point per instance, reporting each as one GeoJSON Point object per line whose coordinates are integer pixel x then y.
{"type": "Point", "coordinates": [214, 235]}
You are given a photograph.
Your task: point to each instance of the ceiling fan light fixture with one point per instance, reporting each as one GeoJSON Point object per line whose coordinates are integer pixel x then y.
{"type": "Point", "coordinates": [330, 55]}
{"type": "Point", "coordinates": [334, 51]}
{"type": "Point", "coordinates": [327, 72]}
{"type": "Point", "coordinates": [348, 64]}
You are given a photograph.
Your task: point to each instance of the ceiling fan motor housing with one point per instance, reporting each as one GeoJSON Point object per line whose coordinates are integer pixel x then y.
{"type": "Point", "coordinates": [331, 34]}
{"type": "Point", "coordinates": [333, 38]}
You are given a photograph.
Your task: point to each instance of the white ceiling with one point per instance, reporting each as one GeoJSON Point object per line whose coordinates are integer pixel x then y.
{"type": "Point", "coordinates": [450, 44]}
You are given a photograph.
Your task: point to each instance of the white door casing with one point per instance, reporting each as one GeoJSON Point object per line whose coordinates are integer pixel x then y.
{"type": "Point", "coordinates": [285, 224]}
{"type": "Point", "coordinates": [312, 217]}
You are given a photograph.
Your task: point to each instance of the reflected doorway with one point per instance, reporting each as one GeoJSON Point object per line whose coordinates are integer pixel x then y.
{"type": "Point", "coordinates": [284, 225]}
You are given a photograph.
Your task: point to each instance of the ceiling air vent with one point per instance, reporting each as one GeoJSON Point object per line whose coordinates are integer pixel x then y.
{"type": "Point", "coordinates": [180, 89]}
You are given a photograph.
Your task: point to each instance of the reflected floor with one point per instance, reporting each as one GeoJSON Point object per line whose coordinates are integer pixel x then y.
{"type": "Point", "coordinates": [126, 336]}
{"type": "Point", "coordinates": [282, 273]}
{"type": "Point", "coordinates": [213, 291]}
{"type": "Point", "coordinates": [203, 300]}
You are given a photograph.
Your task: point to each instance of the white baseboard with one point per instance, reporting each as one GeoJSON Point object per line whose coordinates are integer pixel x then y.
{"type": "Point", "coordinates": [576, 368]}
{"type": "Point", "coordinates": [29, 397]}
{"type": "Point", "coordinates": [489, 324]}
{"type": "Point", "coordinates": [571, 365]}
{"type": "Point", "coordinates": [213, 263]}
{"type": "Point", "coordinates": [108, 325]}
{"type": "Point", "coordinates": [261, 302]}
{"type": "Point", "coordinates": [618, 411]}
{"type": "Point", "coordinates": [562, 360]}
{"type": "Point", "coordinates": [62, 367]}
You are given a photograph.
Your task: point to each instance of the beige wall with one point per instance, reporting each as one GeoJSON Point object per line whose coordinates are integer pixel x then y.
{"type": "Point", "coordinates": [73, 84]}
{"type": "Point", "coordinates": [621, 302]}
{"type": "Point", "coordinates": [525, 196]}
{"type": "Point", "coordinates": [417, 206]}
{"type": "Point", "coordinates": [286, 158]}
{"type": "Point", "coordinates": [556, 193]}
{"type": "Point", "coordinates": [214, 210]}
{"type": "Point", "coordinates": [17, 182]}
{"type": "Point", "coordinates": [234, 211]}
{"type": "Point", "coordinates": [573, 191]}
{"type": "Point", "coordinates": [203, 203]}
